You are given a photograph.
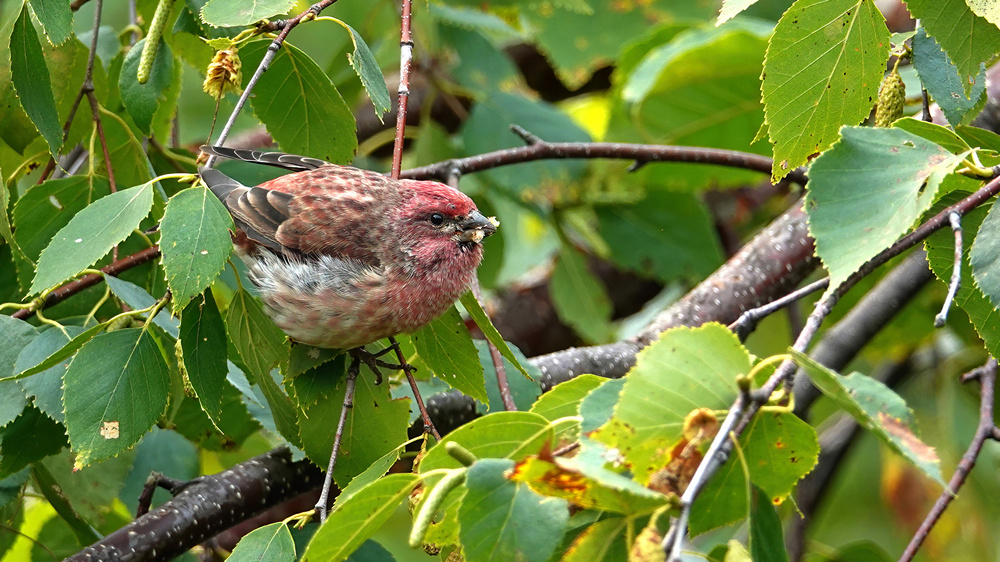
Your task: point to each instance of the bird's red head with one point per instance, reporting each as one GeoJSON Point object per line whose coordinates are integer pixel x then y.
{"type": "Point", "coordinates": [439, 224]}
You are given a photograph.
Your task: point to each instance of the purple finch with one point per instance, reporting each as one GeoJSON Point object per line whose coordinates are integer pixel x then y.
{"type": "Point", "coordinates": [344, 257]}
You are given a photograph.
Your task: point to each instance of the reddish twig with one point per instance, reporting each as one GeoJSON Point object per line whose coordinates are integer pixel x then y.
{"type": "Point", "coordinates": [984, 431]}
{"type": "Point", "coordinates": [425, 416]}
{"type": "Point", "coordinates": [405, 59]}
{"type": "Point", "coordinates": [498, 366]}
{"type": "Point", "coordinates": [543, 150]}
{"type": "Point", "coordinates": [87, 88]}
{"type": "Point", "coordinates": [87, 281]}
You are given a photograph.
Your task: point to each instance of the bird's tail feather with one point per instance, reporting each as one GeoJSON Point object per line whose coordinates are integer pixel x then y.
{"type": "Point", "coordinates": [291, 162]}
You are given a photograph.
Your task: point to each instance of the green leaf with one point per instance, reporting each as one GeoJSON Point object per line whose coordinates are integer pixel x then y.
{"type": "Point", "coordinates": [598, 406]}
{"type": "Point", "coordinates": [579, 41]}
{"type": "Point", "coordinates": [354, 521]}
{"type": "Point", "coordinates": [128, 158]}
{"type": "Point", "coordinates": [510, 435]}
{"type": "Point", "coordinates": [502, 520]}
{"type": "Point", "coordinates": [89, 490]}
{"type": "Point", "coordinates": [868, 190]}
{"type": "Point", "coordinates": [780, 449]}
{"type": "Point", "coordinates": [984, 257]}
{"type": "Point", "coordinates": [237, 13]}
{"type": "Point", "coordinates": [666, 235]}
{"type": "Point", "coordinates": [985, 9]}
{"type": "Point", "coordinates": [62, 354]}
{"type": "Point", "coordinates": [364, 64]}
{"type": "Point", "coordinates": [270, 542]}
{"type": "Point", "coordinates": [730, 8]}
{"type": "Point", "coordinates": [142, 100]}
{"type": "Point", "coordinates": [878, 409]}
{"type": "Point", "coordinates": [28, 439]}
{"type": "Point", "coordinates": [980, 138]}
{"type": "Point", "coordinates": [374, 472]}
{"type": "Point", "coordinates": [115, 389]}
{"type": "Point", "coordinates": [446, 347]}
{"type": "Point", "coordinates": [479, 316]}
{"type": "Point", "coordinates": [822, 70]}
{"type": "Point", "coordinates": [300, 106]}
{"type": "Point", "coordinates": [524, 391]}
{"type": "Point", "coordinates": [701, 88]}
{"type": "Point", "coordinates": [84, 532]}
{"type": "Point", "coordinates": [579, 297]}
{"type": "Point", "coordinates": [91, 234]}
{"type": "Point", "coordinates": [375, 426]}
{"type": "Point", "coordinates": [17, 334]}
{"type": "Point", "coordinates": [202, 338]}
{"type": "Point", "coordinates": [45, 388]}
{"type": "Point", "coordinates": [5, 230]}
{"type": "Point", "coordinates": [470, 18]}
{"type": "Point", "coordinates": [968, 39]}
{"type": "Point", "coordinates": [489, 71]}
{"type": "Point", "coordinates": [937, 134]}
{"type": "Point", "coordinates": [603, 540]}
{"type": "Point", "coordinates": [31, 81]}
{"type": "Point", "coordinates": [942, 80]}
{"type": "Point", "coordinates": [722, 501]}
{"type": "Point", "coordinates": [766, 542]}
{"type": "Point", "coordinates": [195, 242]}
{"type": "Point", "coordinates": [564, 399]}
{"type": "Point", "coordinates": [488, 128]}
{"type": "Point", "coordinates": [56, 18]}
{"type": "Point", "coordinates": [686, 369]}
{"type": "Point", "coordinates": [587, 486]}
{"type": "Point", "coordinates": [46, 208]}
{"type": "Point", "coordinates": [137, 298]}
{"type": "Point", "coordinates": [262, 345]}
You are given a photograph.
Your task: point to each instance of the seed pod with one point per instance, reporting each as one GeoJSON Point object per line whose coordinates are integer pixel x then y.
{"type": "Point", "coordinates": [891, 99]}
{"type": "Point", "coordinates": [224, 73]}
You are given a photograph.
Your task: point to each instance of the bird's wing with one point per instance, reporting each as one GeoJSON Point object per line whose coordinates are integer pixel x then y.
{"type": "Point", "coordinates": [337, 211]}
{"type": "Point", "coordinates": [257, 212]}
{"type": "Point", "coordinates": [291, 162]}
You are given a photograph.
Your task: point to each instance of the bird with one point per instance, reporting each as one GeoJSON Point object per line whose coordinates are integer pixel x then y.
{"type": "Point", "coordinates": [344, 257]}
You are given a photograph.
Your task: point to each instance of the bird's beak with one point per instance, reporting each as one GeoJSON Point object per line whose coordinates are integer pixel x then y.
{"type": "Point", "coordinates": [475, 227]}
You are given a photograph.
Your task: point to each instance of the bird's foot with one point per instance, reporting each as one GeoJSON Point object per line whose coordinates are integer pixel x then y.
{"type": "Point", "coordinates": [375, 364]}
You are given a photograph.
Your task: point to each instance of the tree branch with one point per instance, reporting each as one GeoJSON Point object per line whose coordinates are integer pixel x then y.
{"type": "Point", "coordinates": [206, 507]}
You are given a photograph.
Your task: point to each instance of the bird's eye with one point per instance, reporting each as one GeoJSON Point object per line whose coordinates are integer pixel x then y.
{"type": "Point", "coordinates": [437, 219]}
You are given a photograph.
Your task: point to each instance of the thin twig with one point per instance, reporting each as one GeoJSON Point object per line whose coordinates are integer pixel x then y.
{"type": "Point", "coordinates": [543, 150]}
{"type": "Point", "coordinates": [88, 85]}
{"type": "Point", "coordinates": [984, 431]}
{"type": "Point", "coordinates": [715, 456]}
{"type": "Point", "coordinates": [87, 281]}
{"type": "Point", "coordinates": [405, 60]}
{"type": "Point", "coordinates": [956, 271]}
{"type": "Point", "coordinates": [748, 320]}
{"type": "Point", "coordinates": [784, 375]}
{"type": "Point", "coordinates": [272, 51]}
{"type": "Point", "coordinates": [498, 366]}
{"type": "Point", "coordinates": [352, 379]}
{"type": "Point", "coordinates": [421, 407]}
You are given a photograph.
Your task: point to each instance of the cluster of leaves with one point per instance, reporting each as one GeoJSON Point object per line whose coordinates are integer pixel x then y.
{"type": "Point", "coordinates": [115, 394]}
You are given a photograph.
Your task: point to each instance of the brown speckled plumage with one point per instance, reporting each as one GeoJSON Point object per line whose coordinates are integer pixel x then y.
{"type": "Point", "coordinates": [344, 257]}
